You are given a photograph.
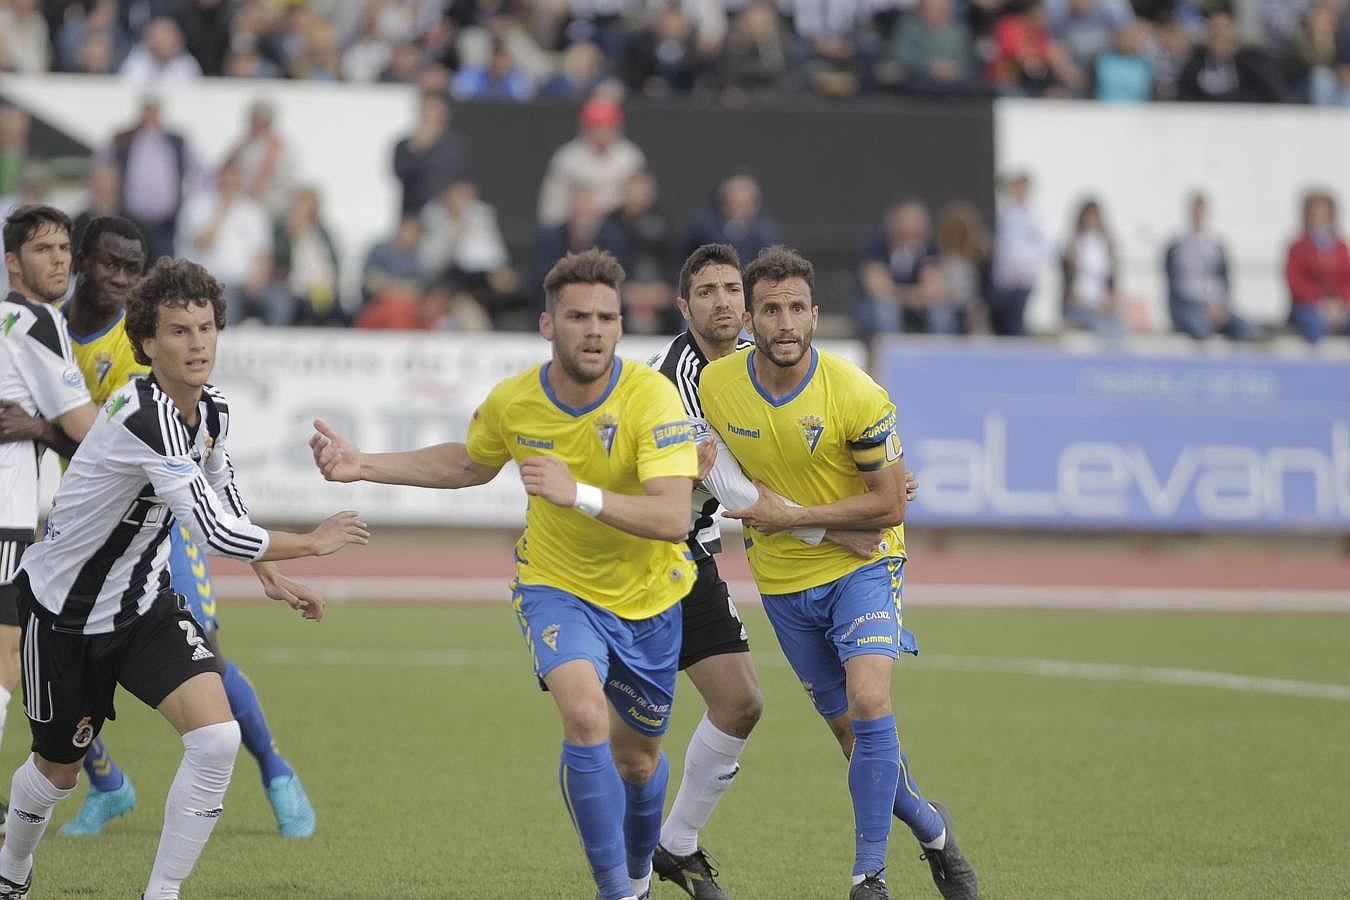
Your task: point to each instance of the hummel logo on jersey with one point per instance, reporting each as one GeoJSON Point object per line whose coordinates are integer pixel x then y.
{"type": "Point", "coordinates": [550, 636]}
{"type": "Point", "coordinates": [114, 406]}
{"type": "Point", "coordinates": [8, 322]}
{"type": "Point", "coordinates": [812, 428]}
{"type": "Point", "coordinates": [606, 427]}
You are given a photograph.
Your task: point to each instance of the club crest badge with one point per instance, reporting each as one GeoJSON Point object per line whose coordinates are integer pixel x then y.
{"type": "Point", "coordinates": [812, 428]}
{"type": "Point", "coordinates": [606, 427]}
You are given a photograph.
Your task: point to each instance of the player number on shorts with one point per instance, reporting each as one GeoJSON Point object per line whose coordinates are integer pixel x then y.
{"type": "Point", "coordinates": [190, 632]}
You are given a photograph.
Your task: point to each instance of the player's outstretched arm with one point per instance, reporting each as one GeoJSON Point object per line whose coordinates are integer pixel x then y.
{"type": "Point", "coordinates": [662, 513]}
{"type": "Point", "coordinates": [296, 594]}
{"type": "Point", "coordinates": [330, 536]}
{"type": "Point", "coordinates": [882, 506]}
{"type": "Point", "coordinates": [437, 466]}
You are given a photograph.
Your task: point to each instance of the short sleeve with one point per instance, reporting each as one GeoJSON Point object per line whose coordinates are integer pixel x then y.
{"type": "Point", "coordinates": [49, 370]}
{"type": "Point", "coordinates": [665, 441]}
{"type": "Point", "coordinates": [485, 444]}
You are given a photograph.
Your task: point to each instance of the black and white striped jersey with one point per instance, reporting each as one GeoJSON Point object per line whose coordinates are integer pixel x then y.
{"type": "Point", "coordinates": [39, 373]}
{"type": "Point", "coordinates": [682, 362]}
{"type": "Point", "coordinates": [104, 555]}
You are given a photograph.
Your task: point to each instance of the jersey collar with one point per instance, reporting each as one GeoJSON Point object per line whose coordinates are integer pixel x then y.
{"type": "Point", "coordinates": [769, 398]}
{"type": "Point", "coordinates": [582, 410]}
{"type": "Point", "coordinates": [88, 338]}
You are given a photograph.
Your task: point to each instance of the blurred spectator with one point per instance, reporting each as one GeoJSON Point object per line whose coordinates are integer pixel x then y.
{"type": "Point", "coordinates": [1086, 28]}
{"type": "Point", "coordinates": [1222, 70]}
{"type": "Point", "coordinates": [160, 57]}
{"type": "Point", "coordinates": [393, 265]}
{"type": "Point", "coordinates": [1021, 249]}
{"type": "Point", "coordinates": [648, 292]}
{"type": "Point", "coordinates": [933, 51]}
{"type": "Point", "coordinates": [368, 51]}
{"type": "Point", "coordinates": [305, 265]}
{"type": "Point", "coordinates": [902, 278]}
{"type": "Point", "coordinates": [23, 31]}
{"type": "Point", "coordinates": [245, 61]}
{"type": "Point", "coordinates": [586, 226]}
{"type": "Point", "coordinates": [319, 55]}
{"type": "Point", "coordinates": [1026, 60]}
{"type": "Point", "coordinates": [1313, 57]}
{"type": "Point", "coordinates": [460, 235]}
{"type": "Point", "coordinates": [599, 160]}
{"type": "Point", "coordinates": [442, 307]}
{"type": "Point", "coordinates": [153, 166]}
{"type": "Point", "coordinates": [1199, 294]}
{"type": "Point", "coordinates": [500, 79]}
{"type": "Point", "coordinates": [1280, 21]}
{"type": "Point", "coordinates": [206, 28]}
{"type": "Point", "coordinates": [14, 130]}
{"type": "Point", "coordinates": [1168, 52]}
{"type": "Point", "coordinates": [230, 234]}
{"type": "Point", "coordinates": [826, 31]}
{"type": "Point", "coordinates": [405, 61]}
{"type": "Point", "coordinates": [104, 198]}
{"type": "Point", "coordinates": [735, 217]}
{"type": "Point", "coordinates": [757, 60]}
{"type": "Point", "coordinates": [84, 23]}
{"type": "Point", "coordinates": [965, 253]}
{"type": "Point", "coordinates": [96, 54]}
{"type": "Point", "coordinates": [1091, 297]}
{"type": "Point", "coordinates": [1317, 270]}
{"type": "Point", "coordinates": [580, 70]}
{"type": "Point", "coordinates": [1123, 74]}
{"type": "Point", "coordinates": [664, 58]}
{"type": "Point", "coordinates": [265, 160]}
{"type": "Point", "coordinates": [431, 157]}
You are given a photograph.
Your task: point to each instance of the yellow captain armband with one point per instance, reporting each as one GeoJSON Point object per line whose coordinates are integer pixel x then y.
{"type": "Point", "coordinates": [870, 457]}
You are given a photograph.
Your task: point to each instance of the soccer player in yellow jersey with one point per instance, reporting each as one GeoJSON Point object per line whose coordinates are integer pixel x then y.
{"type": "Point", "coordinates": [813, 427]}
{"type": "Point", "coordinates": [608, 458]}
{"type": "Point", "coordinates": [109, 261]}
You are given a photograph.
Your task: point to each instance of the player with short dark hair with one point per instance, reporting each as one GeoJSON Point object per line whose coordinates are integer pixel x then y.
{"type": "Point", "coordinates": [809, 425]}
{"type": "Point", "coordinates": [608, 459]}
{"type": "Point", "coordinates": [95, 601]}
{"type": "Point", "coordinates": [109, 261]}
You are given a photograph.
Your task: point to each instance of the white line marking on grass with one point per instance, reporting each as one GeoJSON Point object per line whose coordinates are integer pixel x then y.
{"type": "Point", "coordinates": [1003, 665]}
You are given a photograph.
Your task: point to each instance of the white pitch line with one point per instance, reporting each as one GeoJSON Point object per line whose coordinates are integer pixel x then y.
{"type": "Point", "coordinates": [377, 589]}
{"type": "Point", "coordinates": [1001, 665]}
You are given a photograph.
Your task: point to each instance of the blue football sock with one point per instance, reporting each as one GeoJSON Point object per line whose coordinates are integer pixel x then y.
{"type": "Point", "coordinates": [873, 771]}
{"type": "Point", "coordinates": [912, 808]}
{"type": "Point", "coordinates": [253, 727]}
{"type": "Point", "coordinates": [642, 818]}
{"type": "Point", "coordinates": [593, 792]}
{"type": "Point", "coordinates": [103, 772]}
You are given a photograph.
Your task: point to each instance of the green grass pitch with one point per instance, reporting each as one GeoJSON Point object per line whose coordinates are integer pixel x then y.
{"type": "Point", "coordinates": [432, 760]}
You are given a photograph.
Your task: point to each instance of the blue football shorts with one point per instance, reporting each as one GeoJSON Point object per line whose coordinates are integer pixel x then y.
{"type": "Point", "coordinates": [637, 660]}
{"type": "Point", "coordinates": [821, 628]}
{"type": "Point", "coordinates": [190, 577]}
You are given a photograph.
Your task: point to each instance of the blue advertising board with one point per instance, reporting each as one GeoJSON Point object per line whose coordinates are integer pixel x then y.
{"type": "Point", "coordinates": [1028, 436]}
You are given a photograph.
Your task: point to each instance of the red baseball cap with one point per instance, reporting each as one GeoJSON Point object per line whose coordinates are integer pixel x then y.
{"type": "Point", "coordinates": [601, 112]}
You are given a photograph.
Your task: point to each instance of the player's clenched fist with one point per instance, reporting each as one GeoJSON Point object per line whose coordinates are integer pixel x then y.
{"type": "Point", "coordinates": [337, 458]}
{"type": "Point", "coordinates": [549, 477]}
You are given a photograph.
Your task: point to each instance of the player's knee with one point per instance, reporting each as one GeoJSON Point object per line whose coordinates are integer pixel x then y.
{"type": "Point", "coordinates": [63, 776]}
{"type": "Point", "coordinates": [637, 766]}
{"type": "Point", "coordinates": [870, 701]}
{"type": "Point", "coordinates": [745, 714]}
{"type": "Point", "coordinates": [586, 723]}
{"type": "Point", "coordinates": [211, 749]}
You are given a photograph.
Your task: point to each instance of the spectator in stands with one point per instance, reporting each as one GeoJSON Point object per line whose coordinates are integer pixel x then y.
{"type": "Point", "coordinates": [1169, 51]}
{"type": "Point", "coordinates": [1222, 70]}
{"type": "Point", "coordinates": [305, 266]}
{"type": "Point", "coordinates": [206, 28]}
{"type": "Point", "coordinates": [1199, 294]}
{"type": "Point", "coordinates": [1026, 59]}
{"type": "Point", "coordinates": [319, 56]}
{"type": "Point", "coordinates": [757, 60]}
{"type": "Point", "coordinates": [461, 239]}
{"type": "Point", "coordinates": [154, 166]}
{"type": "Point", "coordinates": [431, 156]}
{"type": "Point", "coordinates": [1317, 270]}
{"type": "Point", "coordinates": [736, 217]}
{"type": "Point", "coordinates": [367, 51]}
{"type": "Point", "coordinates": [1021, 250]}
{"type": "Point", "coordinates": [599, 160]}
{"type": "Point", "coordinates": [265, 160]}
{"type": "Point", "coordinates": [96, 54]}
{"type": "Point", "coordinates": [1092, 301]}
{"type": "Point", "coordinates": [230, 234]}
{"type": "Point", "coordinates": [665, 57]}
{"type": "Point", "coordinates": [14, 130]}
{"type": "Point", "coordinates": [405, 61]}
{"type": "Point", "coordinates": [245, 61]}
{"type": "Point", "coordinates": [94, 22]}
{"type": "Point", "coordinates": [1124, 74]}
{"type": "Point", "coordinates": [646, 240]}
{"type": "Point", "coordinates": [587, 225]}
{"type": "Point", "coordinates": [902, 279]}
{"type": "Point", "coordinates": [161, 57]}
{"type": "Point", "coordinates": [442, 307]}
{"type": "Point", "coordinates": [500, 79]}
{"type": "Point", "coordinates": [965, 253]}
{"type": "Point", "coordinates": [580, 70]}
{"type": "Point", "coordinates": [831, 64]}
{"type": "Point", "coordinates": [23, 31]}
{"type": "Point", "coordinates": [1313, 55]}
{"type": "Point", "coordinates": [393, 265]}
{"type": "Point", "coordinates": [932, 50]}
{"type": "Point", "coordinates": [104, 198]}
{"type": "Point", "coordinates": [1086, 28]}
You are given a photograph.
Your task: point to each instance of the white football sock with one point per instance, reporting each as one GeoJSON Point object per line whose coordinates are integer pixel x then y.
{"type": "Point", "coordinates": [193, 805]}
{"type": "Point", "coordinates": [710, 764]}
{"type": "Point", "coordinates": [642, 885]}
{"type": "Point", "coordinates": [31, 801]}
{"type": "Point", "coordinates": [937, 843]}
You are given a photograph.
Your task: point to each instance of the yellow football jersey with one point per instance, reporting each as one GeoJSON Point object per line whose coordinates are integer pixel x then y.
{"type": "Point", "coordinates": [810, 446]}
{"type": "Point", "coordinates": [106, 359]}
{"type": "Point", "coordinates": [636, 431]}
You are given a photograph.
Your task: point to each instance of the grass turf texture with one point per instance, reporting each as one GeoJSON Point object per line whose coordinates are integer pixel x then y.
{"type": "Point", "coordinates": [432, 760]}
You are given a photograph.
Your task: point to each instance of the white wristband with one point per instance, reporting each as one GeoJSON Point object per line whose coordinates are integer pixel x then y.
{"type": "Point", "coordinates": [590, 499]}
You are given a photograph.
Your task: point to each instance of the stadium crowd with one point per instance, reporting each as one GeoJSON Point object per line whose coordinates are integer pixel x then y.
{"type": "Point", "coordinates": [251, 217]}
